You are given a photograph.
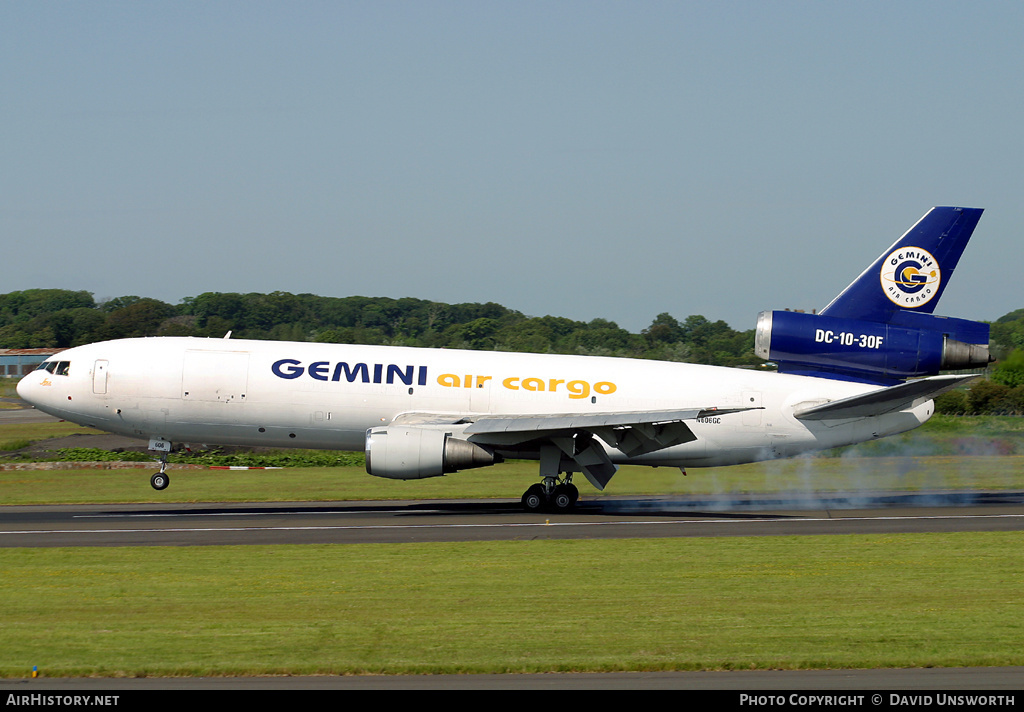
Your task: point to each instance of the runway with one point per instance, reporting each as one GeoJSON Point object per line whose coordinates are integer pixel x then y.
{"type": "Point", "coordinates": [494, 520]}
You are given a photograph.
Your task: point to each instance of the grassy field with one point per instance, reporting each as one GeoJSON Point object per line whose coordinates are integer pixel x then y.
{"type": "Point", "coordinates": [946, 454]}
{"type": "Point", "coordinates": [522, 606]}
{"type": "Point", "coordinates": [508, 481]}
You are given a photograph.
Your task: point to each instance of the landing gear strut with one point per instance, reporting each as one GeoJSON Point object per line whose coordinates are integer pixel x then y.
{"type": "Point", "coordinates": [161, 479]}
{"type": "Point", "coordinates": [554, 494]}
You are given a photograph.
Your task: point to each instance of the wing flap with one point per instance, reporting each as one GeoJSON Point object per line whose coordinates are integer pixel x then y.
{"type": "Point", "coordinates": [634, 433]}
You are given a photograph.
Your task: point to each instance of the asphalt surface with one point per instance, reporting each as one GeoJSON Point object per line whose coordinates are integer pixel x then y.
{"type": "Point", "coordinates": [22, 415]}
{"type": "Point", "coordinates": [485, 520]}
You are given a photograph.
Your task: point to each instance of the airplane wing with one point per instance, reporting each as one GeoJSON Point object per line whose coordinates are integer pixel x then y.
{"type": "Point", "coordinates": [572, 434]}
{"type": "Point", "coordinates": [635, 433]}
{"type": "Point", "coordinates": [884, 400]}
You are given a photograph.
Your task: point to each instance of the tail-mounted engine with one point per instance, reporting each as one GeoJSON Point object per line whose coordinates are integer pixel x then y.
{"type": "Point", "coordinates": [410, 453]}
{"type": "Point", "coordinates": [910, 344]}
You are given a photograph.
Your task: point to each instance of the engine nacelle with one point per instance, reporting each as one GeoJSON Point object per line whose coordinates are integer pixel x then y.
{"type": "Point", "coordinates": [910, 345]}
{"type": "Point", "coordinates": [401, 452]}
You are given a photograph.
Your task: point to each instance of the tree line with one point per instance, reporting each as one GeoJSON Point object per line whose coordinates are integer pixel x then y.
{"type": "Point", "coordinates": [63, 318]}
{"type": "Point", "coordinates": [47, 318]}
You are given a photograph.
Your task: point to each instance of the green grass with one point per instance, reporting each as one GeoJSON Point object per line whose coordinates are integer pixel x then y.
{"type": "Point", "coordinates": [8, 387]}
{"type": "Point", "coordinates": [937, 462]}
{"type": "Point", "coordinates": [521, 606]}
{"type": "Point", "coordinates": [948, 435]}
{"type": "Point", "coordinates": [33, 432]}
{"type": "Point", "coordinates": [508, 481]}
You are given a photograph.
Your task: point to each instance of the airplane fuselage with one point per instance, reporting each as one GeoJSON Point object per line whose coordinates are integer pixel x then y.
{"type": "Point", "coordinates": [326, 396]}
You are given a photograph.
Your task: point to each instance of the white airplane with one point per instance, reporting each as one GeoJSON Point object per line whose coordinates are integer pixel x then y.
{"type": "Point", "coordinates": [428, 412]}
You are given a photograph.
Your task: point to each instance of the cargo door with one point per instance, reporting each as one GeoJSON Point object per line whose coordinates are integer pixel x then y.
{"type": "Point", "coordinates": [215, 376]}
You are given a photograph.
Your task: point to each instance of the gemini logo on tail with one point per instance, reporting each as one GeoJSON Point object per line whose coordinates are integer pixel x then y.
{"type": "Point", "coordinates": [910, 277]}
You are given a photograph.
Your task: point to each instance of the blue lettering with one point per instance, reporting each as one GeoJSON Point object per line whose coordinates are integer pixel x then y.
{"type": "Point", "coordinates": [405, 377]}
{"type": "Point", "coordinates": [350, 375]}
{"type": "Point", "coordinates": [291, 369]}
{"type": "Point", "coordinates": [294, 369]}
{"type": "Point", "coordinates": [318, 370]}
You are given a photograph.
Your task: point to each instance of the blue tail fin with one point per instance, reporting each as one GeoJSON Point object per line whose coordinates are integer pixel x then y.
{"type": "Point", "coordinates": [881, 328]}
{"type": "Point", "coordinates": [912, 274]}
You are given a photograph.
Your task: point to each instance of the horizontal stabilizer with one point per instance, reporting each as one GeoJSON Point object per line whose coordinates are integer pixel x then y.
{"type": "Point", "coordinates": [884, 400]}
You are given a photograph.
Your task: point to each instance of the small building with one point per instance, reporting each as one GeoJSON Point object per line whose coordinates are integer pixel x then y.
{"type": "Point", "coordinates": [15, 363]}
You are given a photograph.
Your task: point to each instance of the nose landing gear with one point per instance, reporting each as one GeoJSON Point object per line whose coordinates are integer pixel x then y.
{"type": "Point", "coordinates": [161, 479]}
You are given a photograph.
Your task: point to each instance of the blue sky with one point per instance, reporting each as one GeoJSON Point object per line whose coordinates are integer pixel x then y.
{"type": "Point", "coordinates": [582, 159]}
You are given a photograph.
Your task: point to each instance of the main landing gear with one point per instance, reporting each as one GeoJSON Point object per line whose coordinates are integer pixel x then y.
{"type": "Point", "coordinates": [554, 494]}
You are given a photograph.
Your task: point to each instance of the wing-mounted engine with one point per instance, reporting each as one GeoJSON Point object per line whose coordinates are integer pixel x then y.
{"type": "Point", "coordinates": [401, 452]}
{"type": "Point", "coordinates": [910, 345]}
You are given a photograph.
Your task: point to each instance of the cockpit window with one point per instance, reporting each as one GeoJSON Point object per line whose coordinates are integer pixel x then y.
{"type": "Point", "coordinates": [57, 368]}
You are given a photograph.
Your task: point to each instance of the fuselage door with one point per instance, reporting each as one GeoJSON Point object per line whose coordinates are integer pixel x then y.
{"type": "Point", "coordinates": [480, 396]}
{"type": "Point", "coordinates": [99, 377]}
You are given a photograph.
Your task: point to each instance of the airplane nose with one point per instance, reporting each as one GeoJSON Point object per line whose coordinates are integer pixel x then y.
{"type": "Point", "coordinates": [24, 389]}
{"type": "Point", "coordinates": [30, 389]}
{"type": "Point", "coordinates": [38, 391]}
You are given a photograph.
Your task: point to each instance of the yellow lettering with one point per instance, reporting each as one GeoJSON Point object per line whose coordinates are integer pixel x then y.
{"type": "Point", "coordinates": [533, 384]}
{"type": "Point", "coordinates": [448, 379]}
{"type": "Point", "coordinates": [578, 389]}
{"type": "Point", "coordinates": [480, 380]}
{"type": "Point", "coordinates": [468, 383]}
